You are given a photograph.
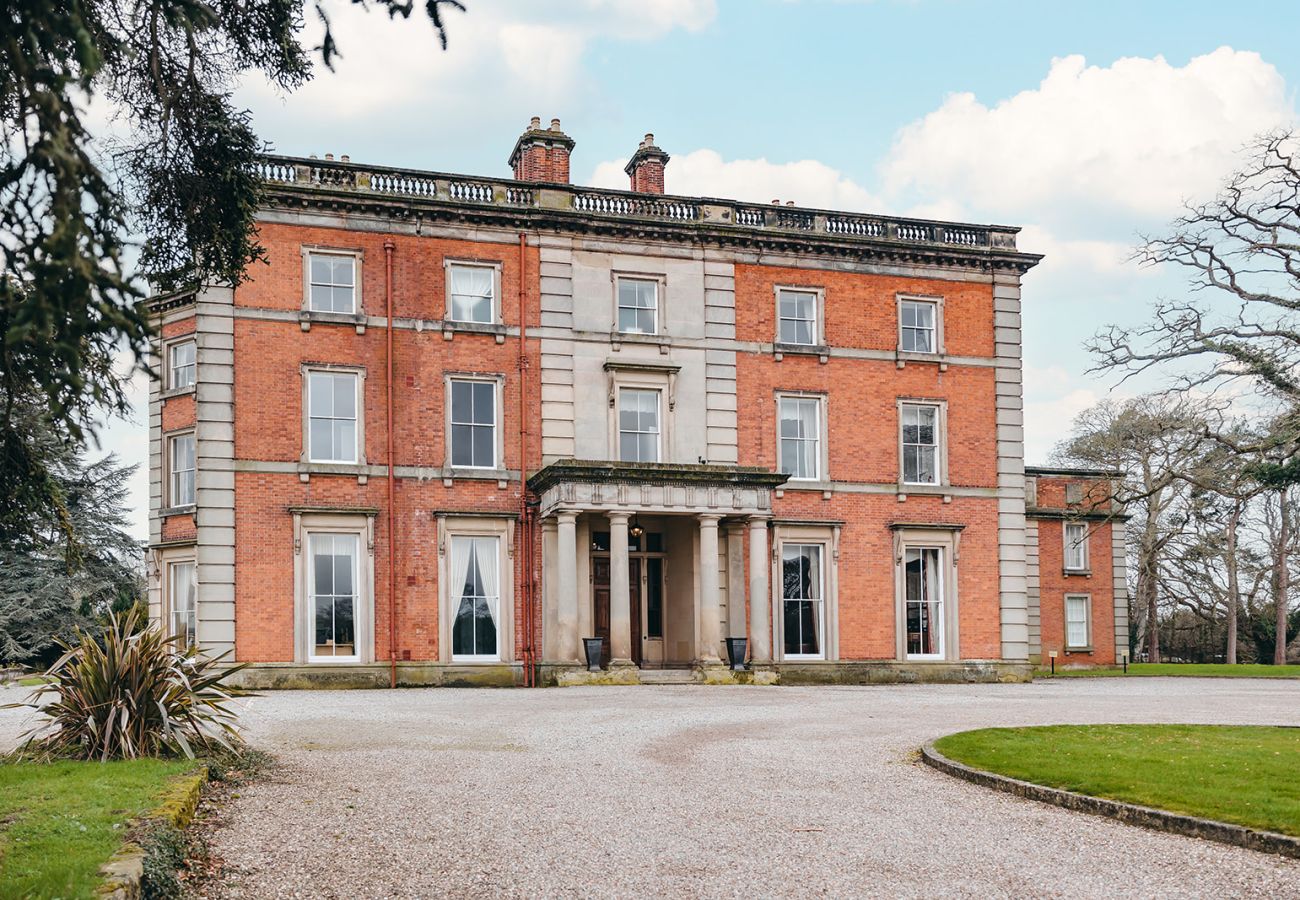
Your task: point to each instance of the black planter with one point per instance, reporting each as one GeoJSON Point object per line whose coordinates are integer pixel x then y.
{"type": "Point", "coordinates": [736, 653]}
{"type": "Point", "coordinates": [594, 648]}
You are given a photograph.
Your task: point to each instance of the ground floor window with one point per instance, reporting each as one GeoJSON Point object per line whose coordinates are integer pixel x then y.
{"type": "Point", "coordinates": [1076, 621]}
{"type": "Point", "coordinates": [183, 591]}
{"type": "Point", "coordinates": [474, 577]}
{"type": "Point", "coordinates": [802, 590]}
{"type": "Point", "coordinates": [924, 598]}
{"type": "Point", "coordinates": [333, 578]}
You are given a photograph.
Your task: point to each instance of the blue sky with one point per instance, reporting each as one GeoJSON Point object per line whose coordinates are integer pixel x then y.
{"type": "Point", "coordinates": [1084, 123]}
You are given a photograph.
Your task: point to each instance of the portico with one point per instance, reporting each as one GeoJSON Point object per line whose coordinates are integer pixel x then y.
{"type": "Point", "coordinates": [651, 557]}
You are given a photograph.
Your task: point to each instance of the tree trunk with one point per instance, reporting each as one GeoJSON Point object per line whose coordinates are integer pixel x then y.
{"type": "Point", "coordinates": [1234, 590]}
{"type": "Point", "coordinates": [1282, 577]}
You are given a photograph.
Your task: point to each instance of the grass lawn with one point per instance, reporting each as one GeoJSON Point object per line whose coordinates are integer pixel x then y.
{"type": "Point", "coordinates": [1246, 775]}
{"type": "Point", "coordinates": [1196, 670]}
{"type": "Point", "coordinates": [59, 822]}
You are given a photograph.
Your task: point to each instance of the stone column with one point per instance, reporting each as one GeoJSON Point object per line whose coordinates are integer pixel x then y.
{"type": "Point", "coordinates": [566, 587]}
{"type": "Point", "coordinates": [620, 600]}
{"type": "Point", "coordinates": [760, 604]}
{"type": "Point", "coordinates": [550, 615]}
{"type": "Point", "coordinates": [710, 607]}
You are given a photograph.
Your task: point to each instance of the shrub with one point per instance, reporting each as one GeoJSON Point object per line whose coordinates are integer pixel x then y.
{"type": "Point", "coordinates": [132, 692]}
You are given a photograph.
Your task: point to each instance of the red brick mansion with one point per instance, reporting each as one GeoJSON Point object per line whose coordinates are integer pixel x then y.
{"type": "Point", "coordinates": [460, 427]}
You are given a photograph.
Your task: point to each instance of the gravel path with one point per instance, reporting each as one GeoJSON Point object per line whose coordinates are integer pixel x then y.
{"type": "Point", "coordinates": [689, 791]}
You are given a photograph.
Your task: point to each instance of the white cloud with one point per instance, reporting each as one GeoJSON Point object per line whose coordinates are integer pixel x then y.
{"type": "Point", "coordinates": [1139, 136]}
{"type": "Point", "coordinates": [704, 173]}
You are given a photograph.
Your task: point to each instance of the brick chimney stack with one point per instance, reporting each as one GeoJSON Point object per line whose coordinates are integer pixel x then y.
{"type": "Point", "coordinates": [646, 167]}
{"type": "Point", "coordinates": [542, 154]}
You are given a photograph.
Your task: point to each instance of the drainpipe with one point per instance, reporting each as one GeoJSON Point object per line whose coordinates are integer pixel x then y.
{"type": "Point", "coordinates": [389, 247]}
{"type": "Point", "coordinates": [525, 513]}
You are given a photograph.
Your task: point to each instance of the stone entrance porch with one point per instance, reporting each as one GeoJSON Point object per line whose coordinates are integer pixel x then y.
{"type": "Point", "coordinates": [652, 558]}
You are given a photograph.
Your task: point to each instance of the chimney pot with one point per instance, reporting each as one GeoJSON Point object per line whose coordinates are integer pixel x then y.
{"type": "Point", "coordinates": [649, 139]}
{"type": "Point", "coordinates": [555, 124]}
{"type": "Point", "coordinates": [789, 203]}
{"type": "Point", "coordinates": [542, 155]}
{"type": "Point", "coordinates": [646, 167]}
{"type": "Point", "coordinates": [535, 123]}
{"type": "Point", "coordinates": [345, 158]}
{"type": "Point", "coordinates": [329, 156]}
{"type": "Point", "coordinates": [776, 202]}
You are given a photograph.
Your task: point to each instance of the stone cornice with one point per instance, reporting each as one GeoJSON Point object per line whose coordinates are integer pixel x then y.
{"type": "Point", "coordinates": [600, 471]}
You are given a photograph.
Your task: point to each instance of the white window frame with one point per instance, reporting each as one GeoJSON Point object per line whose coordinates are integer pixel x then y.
{"type": "Point", "coordinates": [819, 314]}
{"type": "Point", "coordinates": [942, 618]}
{"type": "Point", "coordinates": [1086, 600]}
{"type": "Point", "coordinates": [456, 597]}
{"type": "Point", "coordinates": [947, 540]}
{"type": "Point", "coordinates": [659, 422]}
{"type": "Point", "coordinates": [357, 256]}
{"type": "Point", "coordinates": [496, 381]}
{"type": "Point", "coordinates": [941, 444]}
{"type": "Point", "coordinates": [938, 304]}
{"type": "Point", "coordinates": [362, 526]}
{"type": "Point", "coordinates": [821, 601]}
{"type": "Point", "coordinates": [171, 565]}
{"type": "Point", "coordinates": [170, 348]}
{"type": "Point", "coordinates": [448, 265]}
{"type": "Point", "coordinates": [822, 452]}
{"type": "Point", "coordinates": [359, 378]}
{"type": "Point", "coordinates": [172, 471]}
{"type": "Point", "coordinates": [646, 278]}
{"type": "Point", "coordinates": [827, 535]}
{"type": "Point", "coordinates": [1082, 546]}
{"type": "Point", "coordinates": [462, 525]}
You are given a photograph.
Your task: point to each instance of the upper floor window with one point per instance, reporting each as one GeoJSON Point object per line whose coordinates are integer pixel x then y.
{"type": "Point", "coordinates": [181, 368]}
{"type": "Point", "coordinates": [920, 441]}
{"type": "Point", "coordinates": [796, 317]}
{"type": "Point", "coordinates": [1076, 546]}
{"type": "Point", "coordinates": [638, 425]}
{"type": "Point", "coordinates": [473, 424]}
{"type": "Point", "coordinates": [800, 431]}
{"type": "Point", "coordinates": [918, 326]}
{"type": "Point", "coordinates": [181, 462]}
{"type": "Point", "coordinates": [638, 306]}
{"type": "Point", "coordinates": [332, 420]}
{"type": "Point", "coordinates": [332, 284]}
{"type": "Point", "coordinates": [472, 294]}
{"type": "Point", "coordinates": [1077, 624]}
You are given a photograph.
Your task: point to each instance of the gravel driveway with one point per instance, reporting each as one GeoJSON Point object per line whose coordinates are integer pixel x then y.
{"type": "Point", "coordinates": [692, 791]}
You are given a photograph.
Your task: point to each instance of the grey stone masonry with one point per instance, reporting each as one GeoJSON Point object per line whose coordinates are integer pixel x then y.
{"type": "Point", "coordinates": [1012, 563]}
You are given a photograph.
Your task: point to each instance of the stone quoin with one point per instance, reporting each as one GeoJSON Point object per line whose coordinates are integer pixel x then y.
{"type": "Point", "coordinates": [457, 425]}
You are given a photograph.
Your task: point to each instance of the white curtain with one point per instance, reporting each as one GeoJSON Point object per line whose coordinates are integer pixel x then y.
{"type": "Point", "coordinates": [460, 554]}
{"type": "Point", "coordinates": [485, 550]}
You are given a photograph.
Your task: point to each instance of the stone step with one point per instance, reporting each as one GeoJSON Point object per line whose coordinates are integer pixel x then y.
{"type": "Point", "coordinates": [667, 676]}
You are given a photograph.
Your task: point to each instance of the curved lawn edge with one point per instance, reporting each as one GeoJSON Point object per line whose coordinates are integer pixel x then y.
{"type": "Point", "coordinates": [1128, 813]}
{"type": "Point", "coordinates": [123, 875]}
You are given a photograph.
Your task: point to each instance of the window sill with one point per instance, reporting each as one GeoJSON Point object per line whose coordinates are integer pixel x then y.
{"type": "Point", "coordinates": [451, 326]}
{"type": "Point", "coordinates": [451, 474]}
{"type": "Point", "coordinates": [1085, 573]}
{"type": "Point", "coordinates": [1079, 650]}
{"type": "Point", "coordinates": [821, 351]}
{"type": "Point", "coordinates": [308, 317]}
{"type": "Point", "coordinates": [188, 509]}
{"type": "Point", "coordinates": [808, 485]}
{"type": "Point", "coordinates": [177, 392]}
{"type": "Point", "coordinates": [925, 490]}
{"type": "Point", "coordinates": [662, 341]}
{"type": "Point", "coordinates": [903, 357]}
{"type": "Point", "coordinates": [306, 469]}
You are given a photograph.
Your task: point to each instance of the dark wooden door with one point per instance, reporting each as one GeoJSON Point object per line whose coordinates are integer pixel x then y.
{"type": "Point", "coordinates": [600, 604]}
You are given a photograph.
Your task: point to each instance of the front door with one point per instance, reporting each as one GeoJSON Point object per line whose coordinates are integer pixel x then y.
{"type": "Point", "coordinates": [652, 611]}
{"type": "Point", "coordinates": [600, 604]}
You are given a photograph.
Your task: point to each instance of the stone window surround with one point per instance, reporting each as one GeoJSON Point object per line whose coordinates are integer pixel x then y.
{"type": "Point", "coordinates": [1086, 569]}
{"type": "Point", "coordinates": [823, 480]}
{"type": "Point", "coordinates": [1065, 622]}
{"type": "Point", "coordinates": [361, 524]}
{"type": "Point", "coordinates": [497, 471]}
{"type": "Point", "coordinates": [307, 315]}
{"type": "Point", "coordinates": [643, 376]}
{"type": "Point", "coordinates": [819, 347]}
{"type": "Point", "coordinates": [941, 423]}
{"type": "Point", "coordinates": [660, 280]}
{"type": "Point", "coordinates": [919, 536]}
{"type": "Point", "coordinates": [306, 463]}
{"type": "Point", "coordinates": [167, 558]}
{"type": "Point", "coordinates": [170, 507]}
{"type": "Point", "coordinates": [450, 325]}
{"type": "Point", "coordinates": [165, 363]}
{"type": "Point", "coordinates": [467, 524]}
{"type": "Point", "coordinates": [826, 534]}
{"type": "Point", "coordinates": [941, 351]}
